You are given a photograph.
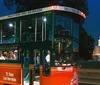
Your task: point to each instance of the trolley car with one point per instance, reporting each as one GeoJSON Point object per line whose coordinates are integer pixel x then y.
{"type": "Point", "coordinates": [40, 45]}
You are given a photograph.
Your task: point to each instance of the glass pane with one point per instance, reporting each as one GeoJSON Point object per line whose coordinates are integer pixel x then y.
{"type": "Point", "coordinates": [63, 26]}
{"type": "Point", "coordinates": [49, 27]}
{"type": "Point", "coordinates": [28, 30]}
{"type": "Point", "coordinates": [8, 32]}
{"type": "Point", "coordinates": [76, 41]}
{"type": "Point", "coordinates": [39, 29]}
{"type": "Point", "coordinates": [63, 42]}
{"type": "Point", "coordinates": [36, 29]}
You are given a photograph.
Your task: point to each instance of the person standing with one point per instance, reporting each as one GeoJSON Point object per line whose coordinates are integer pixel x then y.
{"type": "Point", "coordinates": [38, 58]}
{"type": "Point", "coordinates": [48, 56]}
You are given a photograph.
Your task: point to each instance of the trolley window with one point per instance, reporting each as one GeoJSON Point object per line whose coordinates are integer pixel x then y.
{"type": "Point", "coordinates": [76, 40]}
{"type": "Point", "coordinates": [27, 28]}
{"type": "Point", "coordinates": [7, 32]}
{"type": "Point", "coordinates": [63, 42]}
{"type": "Point", "coordinates": [33, 30]}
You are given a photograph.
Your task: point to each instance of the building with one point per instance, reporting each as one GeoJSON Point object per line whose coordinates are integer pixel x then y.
{"type": "Point", "coordinates": [96, 52]}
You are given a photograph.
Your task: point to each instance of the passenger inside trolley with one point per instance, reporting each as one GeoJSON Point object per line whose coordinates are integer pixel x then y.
{"type": "Point", "coordinates": [1, 57]}
{"type": "Point", "coordinates": [37, 64]}
{"type": "Point", "coordinates": [63, 54]}
{"type": "Point", "coordinates": [48, 57]}
{"type": "Point", "coordinates": [10, 55]}
{"type": "Point", "coordinates": [5, 54]}
{"type": "Point", "coordinates": [37, 58]}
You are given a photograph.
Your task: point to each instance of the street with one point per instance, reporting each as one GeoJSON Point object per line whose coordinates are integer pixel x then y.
{"type": "Point", "coordinates": [85, 84]}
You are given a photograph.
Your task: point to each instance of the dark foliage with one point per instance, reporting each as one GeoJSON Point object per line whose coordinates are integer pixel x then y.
{"type": "Point", "coordinates": [23, 5]}
{"type": "Point", "coordinates": [86, 45]}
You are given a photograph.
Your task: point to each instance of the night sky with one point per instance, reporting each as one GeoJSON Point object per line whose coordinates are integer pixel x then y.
{"type": "Point", "coordinates": [92, 23]}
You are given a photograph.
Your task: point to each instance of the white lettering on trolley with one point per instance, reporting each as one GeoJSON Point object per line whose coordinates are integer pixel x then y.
{"type": "Point", "coordinates": [9, 77]}
{"type": "Point", "coordinates": [59, 8]}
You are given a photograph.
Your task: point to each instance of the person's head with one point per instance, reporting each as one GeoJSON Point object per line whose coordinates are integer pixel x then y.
{"type": "Point", "coordinates": [11, 54]}
{"type": "Point", "coordinates": [5, 54]}
{"type": "Point", "coordinates": [49, 52]}
{"type": "Point", "coordinates": [38, 54]}
{"type": "Point", "coordinates": [0, 54]}
{"type": "Point", "coordinates": [16, 52]}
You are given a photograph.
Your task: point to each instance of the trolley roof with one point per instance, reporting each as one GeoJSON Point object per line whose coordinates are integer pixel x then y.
{"type": "Point", "coordinates": [50, 8]}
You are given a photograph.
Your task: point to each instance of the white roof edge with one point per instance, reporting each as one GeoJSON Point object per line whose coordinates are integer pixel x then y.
{"type": "Point", "coordinates": [59, 8]}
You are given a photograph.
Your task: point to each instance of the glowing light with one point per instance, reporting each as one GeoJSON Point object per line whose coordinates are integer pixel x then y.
{"type": "Point", "coordinates": [55, 7]}
{"type": "Point", "coordinates": [52, 7]}
{"type": "Point", "coordinates": [10, 25]}
{"type": "Point", "coordinates": [16, 51]}
{"type": "Point", "coordinates": [44, 19]}
{"type": "Point", "coordinates": [29, 27]}
{"type": "Point", "coordinates": [82, 14]}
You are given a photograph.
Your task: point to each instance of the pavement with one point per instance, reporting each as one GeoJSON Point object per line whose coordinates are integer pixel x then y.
{"type": "Point", "coordinates": [37, 83]}
{"type": "Point", "coordinates": [85, 84]}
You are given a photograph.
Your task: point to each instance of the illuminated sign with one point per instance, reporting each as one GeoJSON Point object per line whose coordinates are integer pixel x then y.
{"type": "Point", "coordinates": [59, 8]}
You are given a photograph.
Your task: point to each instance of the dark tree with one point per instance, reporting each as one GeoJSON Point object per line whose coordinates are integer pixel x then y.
{"type": "Point", "coordinates": [9, 3]}
{"type": "Point", "coordinates": [86, 45]}
{"type": "Point", "coordinates": [23, 5]}
{"type": "Point", "coordinates": [83, 43]}
{"type": "Point", "coordinates": [90, 46]}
